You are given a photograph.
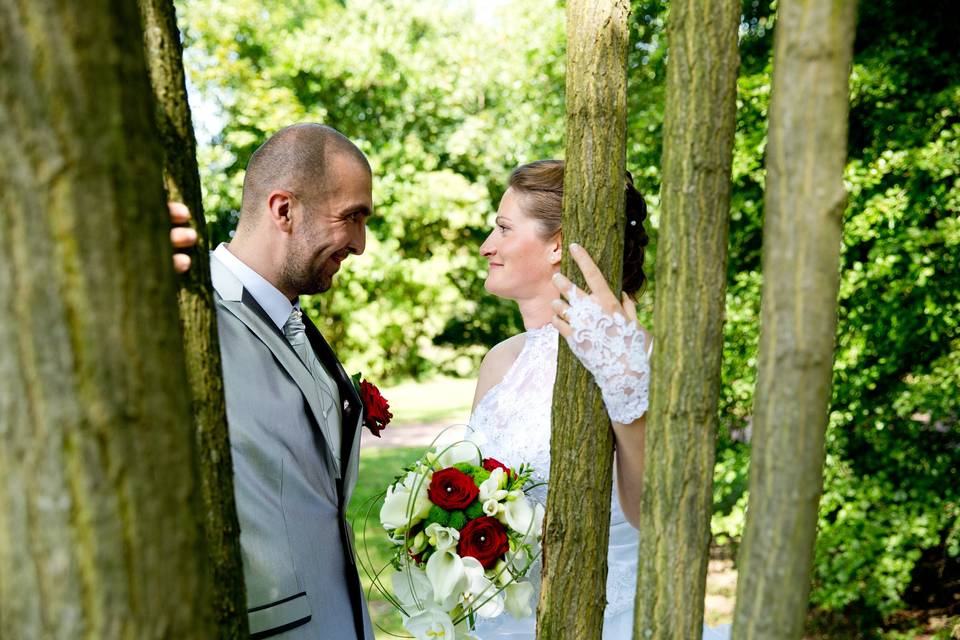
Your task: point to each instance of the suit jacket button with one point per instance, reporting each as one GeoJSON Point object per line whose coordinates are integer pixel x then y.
{"type": "Point", "coordinates": [346, 405]}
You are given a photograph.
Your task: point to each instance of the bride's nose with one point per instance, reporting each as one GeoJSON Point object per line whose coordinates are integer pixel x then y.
{"type": "Point", "coordinates": [487, 249]}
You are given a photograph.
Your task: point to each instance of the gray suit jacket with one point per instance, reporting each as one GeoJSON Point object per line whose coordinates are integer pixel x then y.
{"type": "Point", "coordinates": [291, 488]}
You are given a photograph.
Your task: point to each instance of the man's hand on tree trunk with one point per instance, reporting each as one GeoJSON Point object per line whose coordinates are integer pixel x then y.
{"type": "Point", "coordinates": [181, 237]}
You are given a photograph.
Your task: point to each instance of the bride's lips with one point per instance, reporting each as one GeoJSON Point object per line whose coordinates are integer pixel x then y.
{"type": "Point", "coordinates": [494, 264]}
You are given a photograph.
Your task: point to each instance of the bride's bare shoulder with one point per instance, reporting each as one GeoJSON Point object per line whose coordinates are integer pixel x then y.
{"type": "Point", "coordinates": [497, 363]}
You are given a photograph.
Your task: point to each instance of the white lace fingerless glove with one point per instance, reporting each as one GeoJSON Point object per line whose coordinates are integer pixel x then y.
{"type": "Point", "coordinates": [612, 348]}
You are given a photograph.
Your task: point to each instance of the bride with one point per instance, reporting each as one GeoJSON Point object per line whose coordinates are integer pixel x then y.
{"type": "Point", "coordinates": [512, 403]}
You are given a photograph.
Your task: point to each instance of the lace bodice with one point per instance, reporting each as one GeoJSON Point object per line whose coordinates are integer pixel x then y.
{"type": "Point", "coordinates": [512, 424]}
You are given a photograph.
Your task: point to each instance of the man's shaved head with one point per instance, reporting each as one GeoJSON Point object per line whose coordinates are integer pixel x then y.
{"type": "Point", "coordinates": [297, 159]}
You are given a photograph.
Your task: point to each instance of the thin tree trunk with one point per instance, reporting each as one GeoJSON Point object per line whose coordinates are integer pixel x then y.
{"type": "Point", "coordinates": [804, 203]}
{"type": "Point", "coordinates": [100, 535]}
{"type": "Point", "coordinates": [688, 319]}
{"type": "Point", "coordinates": [572, 598]}
{"type": "Point", "coordinates": [164, 56]}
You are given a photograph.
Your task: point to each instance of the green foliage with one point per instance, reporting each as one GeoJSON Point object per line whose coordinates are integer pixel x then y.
{"type": "Point", "coordinates": [891, 484]}
{"type": "Point", "coordinates": [457, 520]}
{"type": "Point", "coordinates": [446, 97]}
{"type": "Point", "coordinates": [443, 103]}
{"type": "Point", "coordinates": [474, 511]}
{"type": "Point", "coordinates": [437, 515]}
{"type": "Point", "coordinates": [478, 474]}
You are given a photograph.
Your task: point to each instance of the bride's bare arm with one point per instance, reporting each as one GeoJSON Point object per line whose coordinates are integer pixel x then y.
{"type": "Point", "coordinates": [496, 364]}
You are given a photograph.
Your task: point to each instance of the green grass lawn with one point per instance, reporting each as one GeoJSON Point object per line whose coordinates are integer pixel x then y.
{"type": "Point", "coordinates": [445, 400]}
{"type": "Point", "coordinates": [378, 468]}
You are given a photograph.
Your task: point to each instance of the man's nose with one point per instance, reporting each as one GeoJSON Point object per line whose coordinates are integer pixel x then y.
{"type": "Point", "coordinates": [358, 241]}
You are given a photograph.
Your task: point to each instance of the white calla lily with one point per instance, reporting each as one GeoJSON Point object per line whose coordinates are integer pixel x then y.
{"type": "Point", "coordinates": [446, 574]}
{"type": "Point", "coordinates": [536, 531]}
{"type": "Point", "coordinates": [449, 455]}
{"type": "Point", "coordinates": [441, 537]}
{"type": "Point", "coordinates": [412, 587]}
{"type": "Point", "coordinates": [518, 514]}
{"type": "Point", "coordinates": [518, 596]}
{"type": "Point", "coordinates": [401, 508]}
{"type": "Point", "coordinates": [480, 592]}
{"type": "Point", "coordinates": [431, 624]}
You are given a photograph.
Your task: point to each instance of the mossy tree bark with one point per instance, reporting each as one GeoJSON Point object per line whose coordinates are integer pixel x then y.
{"type": "Point", "coordinates": [100, 534]}
{"type": "Point", "coordinates": [804, 204]}
{"type": "Point", "coordinates": [572, 598]}
{"type": "Point", "coordinates": [198, 318]}
{"type": "Point", "coordinates": [688, 319]}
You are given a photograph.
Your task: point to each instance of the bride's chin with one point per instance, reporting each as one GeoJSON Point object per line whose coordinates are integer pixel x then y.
{"type": "Point", "coordinates": [493, 289]}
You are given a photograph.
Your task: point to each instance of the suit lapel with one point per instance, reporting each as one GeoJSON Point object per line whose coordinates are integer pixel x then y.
{"type": "Point", "coordinates": [351, 404]}
{"type": "Point", "coordinates": [238, 301]}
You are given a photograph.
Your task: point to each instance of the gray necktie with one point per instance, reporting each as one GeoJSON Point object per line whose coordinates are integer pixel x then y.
{"type": "Point", "coordinates": [326, 389]}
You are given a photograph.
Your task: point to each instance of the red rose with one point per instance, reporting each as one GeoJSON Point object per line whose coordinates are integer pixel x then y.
{"type": "Point", "coordinates": [452, 489]}
{"type": "Point", "coordinates": [484, 539]}
{"type": "Point", "coordinates": [492, 463]}
{"type": "Point", "coordinates": [376, 409]}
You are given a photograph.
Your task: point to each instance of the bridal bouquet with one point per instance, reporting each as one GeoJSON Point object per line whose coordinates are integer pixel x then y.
{"type": "Point", "coordinates": [465, 535]}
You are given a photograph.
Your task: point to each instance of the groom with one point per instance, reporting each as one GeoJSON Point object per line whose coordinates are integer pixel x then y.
{"type": "Point", "coordinates": [293, 413]}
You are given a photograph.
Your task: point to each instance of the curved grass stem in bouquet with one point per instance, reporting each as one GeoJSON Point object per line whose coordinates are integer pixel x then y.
{"type": "Point", "coordinates": [464, 536]}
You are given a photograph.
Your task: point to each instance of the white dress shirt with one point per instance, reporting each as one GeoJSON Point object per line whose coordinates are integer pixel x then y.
{"type": "Point", "coordinates": [277, 306]}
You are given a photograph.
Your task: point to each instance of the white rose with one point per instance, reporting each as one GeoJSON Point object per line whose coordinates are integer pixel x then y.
{"type": "Point", "coordinates": [443, 538]}
{"type": "Point", "coordinates": [449, 455]}
{"type": "Point", "coordinates": [430, 624]}
{"type": "Point", "coordinates": [518, 595]}
{"type": "Point", "coordinates": [446, 574]}
{"type": "Point", "coordinates": [401, 508]}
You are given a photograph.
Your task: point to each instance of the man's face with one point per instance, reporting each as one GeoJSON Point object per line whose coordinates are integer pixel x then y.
{"type": "Point", "coordinates": [329, 227]}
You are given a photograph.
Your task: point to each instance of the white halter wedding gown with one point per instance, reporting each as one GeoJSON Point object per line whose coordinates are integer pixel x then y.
{"type": "Point", "coordinates": [512, 424]}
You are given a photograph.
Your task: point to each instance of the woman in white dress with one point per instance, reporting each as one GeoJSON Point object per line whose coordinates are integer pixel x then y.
{"type": "Point", "coordinates": [512, 404]}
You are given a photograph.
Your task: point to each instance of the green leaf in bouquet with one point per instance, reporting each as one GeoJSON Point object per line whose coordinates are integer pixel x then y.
{"type": "Point", "coordinates": [458, 519]}
{"type": "Point", "coordinates": [474, 511]}
{"type": "Point", "coordinates": [477, 474]}
{"type": "Point", "coordinates": [439, 515]}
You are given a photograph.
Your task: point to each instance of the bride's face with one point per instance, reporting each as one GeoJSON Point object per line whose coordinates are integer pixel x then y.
{"type": "Point", "coordinates": [521, 262]}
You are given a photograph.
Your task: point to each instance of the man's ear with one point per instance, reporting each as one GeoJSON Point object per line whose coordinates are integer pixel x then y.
{"type": "Point", "coordinates": [279, 205]}
{"type": "Point", "coordinates": [556, 248]}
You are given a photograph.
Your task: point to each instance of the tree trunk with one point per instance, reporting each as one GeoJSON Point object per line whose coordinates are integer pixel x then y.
{"type": "Point", "coordinates": [688, 319]}
{"type": "Point", "coordinates": [804, 203]}
{"type": "Point", "coordinates": [573, 592]}
{"type": "Point", "coordinates": [99, 529]}
{"type": "Point", "coordinates": [198, 319]}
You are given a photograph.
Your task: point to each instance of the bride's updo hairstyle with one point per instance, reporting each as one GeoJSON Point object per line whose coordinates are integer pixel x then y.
{"type": "Point", "coordinates": [540, 186]}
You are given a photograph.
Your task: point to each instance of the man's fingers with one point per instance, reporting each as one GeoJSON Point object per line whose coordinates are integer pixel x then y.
{"type": "Point", "coordinates": [181, 262]}
{"type": "Point", "coordinates": [183, 237]}
{"type": "Point", "coordinates": [179, 214]}
{"type": "Point", "coordinates": [595, 280]}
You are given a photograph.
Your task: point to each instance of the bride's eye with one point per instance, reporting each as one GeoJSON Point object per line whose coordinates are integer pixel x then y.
{"type": "Point", "coordinates": [502, 228]}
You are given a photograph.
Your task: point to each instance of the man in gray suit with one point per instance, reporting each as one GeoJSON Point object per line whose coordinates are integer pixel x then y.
{"type": "Point", "coordinates": [293, 413]}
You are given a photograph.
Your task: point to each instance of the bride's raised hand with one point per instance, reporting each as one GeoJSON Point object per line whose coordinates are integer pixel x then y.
{"type": "Point", "coordinates": [604, 335]}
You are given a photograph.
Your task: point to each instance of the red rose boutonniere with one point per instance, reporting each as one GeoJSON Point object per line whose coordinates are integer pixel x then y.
{"type": "Point", "coordinates": [376, 409]}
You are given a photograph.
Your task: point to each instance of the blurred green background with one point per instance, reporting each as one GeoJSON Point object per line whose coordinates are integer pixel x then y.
{"type": "Point", "coordinates": [445, 97]}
